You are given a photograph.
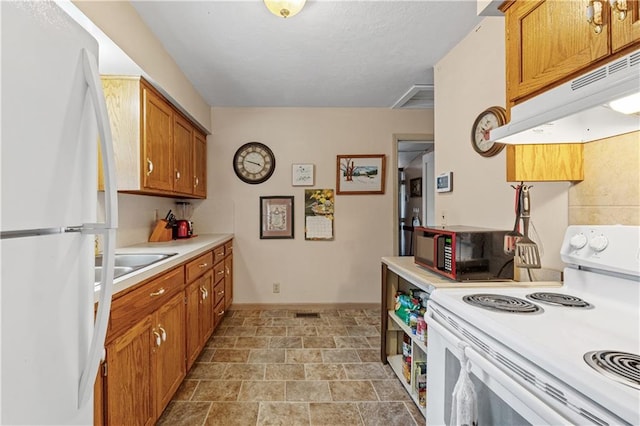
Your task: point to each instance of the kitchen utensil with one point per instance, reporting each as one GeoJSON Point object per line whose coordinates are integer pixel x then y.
{"type": "Point", "coordinates": [512, 237]}
{"type": "Point", "coordinates": [527, 255]}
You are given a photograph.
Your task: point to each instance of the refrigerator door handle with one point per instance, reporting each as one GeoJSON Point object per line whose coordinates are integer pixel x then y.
{"type": "Point", "coordinates": [92, 77]}
{"type": "Point", "coordinates": [108, 229]}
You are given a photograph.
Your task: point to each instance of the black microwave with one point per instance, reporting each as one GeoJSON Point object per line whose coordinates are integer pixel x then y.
{"type": "Point", "coordinates": [463, 253]}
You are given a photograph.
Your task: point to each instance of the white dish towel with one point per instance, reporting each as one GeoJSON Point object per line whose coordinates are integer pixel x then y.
{"type": "Point", "coordinates": [464, 405]}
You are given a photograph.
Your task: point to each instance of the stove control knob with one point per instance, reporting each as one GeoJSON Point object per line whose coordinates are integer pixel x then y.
{"type": "Point", "coordinates": [578, 241]}
{"type": "Point", "coordinates": [599, 243]}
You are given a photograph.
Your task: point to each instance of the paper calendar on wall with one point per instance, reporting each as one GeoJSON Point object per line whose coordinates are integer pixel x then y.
{"type": "Point", "coordinates": [318, 214]}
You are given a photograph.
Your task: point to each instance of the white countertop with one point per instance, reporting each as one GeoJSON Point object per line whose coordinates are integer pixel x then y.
{"type": "Point", "coordinates": [184, 248]}
{"type": "Point", "coordinates": [405, 267]}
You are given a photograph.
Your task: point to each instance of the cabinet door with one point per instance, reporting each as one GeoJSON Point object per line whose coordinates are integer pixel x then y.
{"type": "Point", "coordinates": [98, 398]}
{"type": "Point", "coordinates": [128, 384]}
{"type": "Point", "coordinates": [547, 41]}
{"type": "Point", "coordinates": [200, 165]}
{"type": "Point", "coordinates": [228, 281]}
{"type": "Point", "coordinates": [206, 312]}
{"type": "Point", "coordinates": [194, 301]}
{"type": "Point", "coordinates": [182, 155]}
{"type": "Point", "coordinates": [626, 32]}
{"type": "Point", "coordinates": [157, 140]}
{"type": "Point", "coordinates": [170, 355]}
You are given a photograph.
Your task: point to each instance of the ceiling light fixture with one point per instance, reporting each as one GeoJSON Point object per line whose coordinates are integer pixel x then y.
{"type": "Point", "coordinates": [285, 8]}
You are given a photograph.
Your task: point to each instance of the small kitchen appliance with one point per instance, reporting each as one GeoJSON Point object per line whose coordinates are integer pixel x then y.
{"type": "Point", "coordinates": [53, 112]}
{"type": "Point", "coordinates": [463, 253]}
{"type": "Point", "coordinates": [565, 355]}
{"type": "Point", "coordinates": [184, 226]}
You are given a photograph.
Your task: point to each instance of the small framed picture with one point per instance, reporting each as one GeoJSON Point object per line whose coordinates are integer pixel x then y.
{"type": "Point", "coordinates": [415, 187]}
{"type": "Point", "coordinates": [276, 217]}
{"type": "Point", "coordinates": [360, 174]}
{"type": "Point", "coordinates": [302, 174]}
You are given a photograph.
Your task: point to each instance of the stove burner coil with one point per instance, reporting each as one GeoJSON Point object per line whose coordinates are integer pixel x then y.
{"type": "Point", "coordinates": [623, 367]}
{"type": "Point", "coordinates": [559, 299]}
{"type": "Point", "coordinates": [501, 303]}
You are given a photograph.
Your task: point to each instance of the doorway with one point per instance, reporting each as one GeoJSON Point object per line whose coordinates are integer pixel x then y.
{"type": "Point", "coordinates": [413, 189]}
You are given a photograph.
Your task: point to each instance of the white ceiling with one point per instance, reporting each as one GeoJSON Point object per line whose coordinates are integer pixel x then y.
{"type": "Point", "coordinates": [332, 54]}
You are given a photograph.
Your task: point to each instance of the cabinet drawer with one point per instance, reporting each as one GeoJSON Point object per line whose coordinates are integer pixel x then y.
{"type": "Point", "coordinates": [218, 313]}
{"type": "Point", "coordinates": [218, 254]}
{"type": "Point", "coordinates": [199, 266]}
{"type": "Point", "coordinates": [218, 292]}
{"type": "Point", "coordinates": [132, 307]}
{"type": "Point", "coordinates": [218, 272]}
{"type": "Point", "coordinates": [228, 248]}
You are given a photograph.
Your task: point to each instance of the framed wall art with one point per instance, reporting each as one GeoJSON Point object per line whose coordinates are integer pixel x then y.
{"type": "Point", "coordinates": [318, 214]}
{"type": "Point", "coordinates": [360, 174]}
{"type": "Point", "coordinates": [276, 217]}
{"type": "Point", "coordinates": [415, 187]}
{"type": "Point", "coordinates": [302, 174]}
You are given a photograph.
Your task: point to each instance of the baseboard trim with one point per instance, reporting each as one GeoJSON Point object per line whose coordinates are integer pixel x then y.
{"type": "Point", "coordinates": [303, 306]}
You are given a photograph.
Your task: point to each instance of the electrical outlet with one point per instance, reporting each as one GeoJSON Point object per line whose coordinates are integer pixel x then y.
{"type": "Point", "coordinates": [276, 287]}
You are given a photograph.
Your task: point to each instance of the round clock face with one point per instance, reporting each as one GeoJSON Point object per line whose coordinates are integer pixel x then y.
{"type": "Point", "coordinates": [254, 162]}
{"type": "Point", "coordinates": [488, 120]}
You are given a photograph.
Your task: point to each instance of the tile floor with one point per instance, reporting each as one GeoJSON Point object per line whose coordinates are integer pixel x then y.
{"type": "Point", "coordinates": [268, 367]}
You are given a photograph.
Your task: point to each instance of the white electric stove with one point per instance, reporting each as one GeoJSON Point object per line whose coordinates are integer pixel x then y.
{"type": "Point", "coordinates": [538, 362]}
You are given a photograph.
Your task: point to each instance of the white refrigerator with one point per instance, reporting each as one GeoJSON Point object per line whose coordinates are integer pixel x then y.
{"type": "Point", "coordinates": [53, 114]}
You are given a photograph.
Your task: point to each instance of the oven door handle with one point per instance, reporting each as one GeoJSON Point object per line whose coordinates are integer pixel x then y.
{"type": "Point", "coordinates": [519, 391]}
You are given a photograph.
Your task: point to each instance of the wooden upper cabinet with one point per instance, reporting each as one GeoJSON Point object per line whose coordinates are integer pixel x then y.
{"type": "Point", "coordinates": [200, 165]}
{"type": "Point", "coordinates": [154, 144]}
{"type": "Point", "coordinates": [157, 137]}
{"type": "Point", "coordinates": [183, 155]}
{"type": "Point", "coordinates": [626, 32]}
{"type": "Point", "coordinates": [549, 42]}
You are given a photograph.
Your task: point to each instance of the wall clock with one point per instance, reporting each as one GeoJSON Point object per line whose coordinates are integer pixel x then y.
{"type": "Point", "coordinates": [254, 162]}
{"type": "Point", "coordinates": [487, 120]}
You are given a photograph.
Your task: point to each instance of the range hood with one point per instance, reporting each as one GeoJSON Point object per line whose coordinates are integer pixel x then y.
{"type": "Point", "coordinates": [578, 111]}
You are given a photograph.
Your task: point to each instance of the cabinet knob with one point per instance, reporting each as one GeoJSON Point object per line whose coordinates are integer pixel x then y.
{"type": "Point", "coordinates": [149, 166]}
{"type": "Point", "coordinates": [158, 338]}
{"type": "Point", "coordinates": [177, 174]}
{"type": "Point", "coordinates": [163, 333]}
{"type": "Point", "coordinates": [594, 15]}
{"type": "Point", "coordinates": [221, 313]}
{"type": "Point", "coordinates": [203, 265]}
{"type": "Point", "coordinates": [619, 7]}
{"type": "Point", "coordinates": [196, 181]}
{"type": "Point", "coordinates": [158, 293]}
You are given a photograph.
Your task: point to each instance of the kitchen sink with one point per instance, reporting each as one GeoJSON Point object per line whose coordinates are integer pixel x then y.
{"type": "Point", "coordinates": [125, 263]}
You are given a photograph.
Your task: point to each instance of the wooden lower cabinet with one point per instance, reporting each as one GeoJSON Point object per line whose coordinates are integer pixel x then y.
{"type": "Point", "coordinates": [145, 366]}
{"type": "Point", "coordinates": [128, 397]}
{"type": "Point", "coordinates": [156, 333]}
{"type": "Point", "coordinates": [199, 324]}
{"type": "Point", "coordinates": [169, 356]}
{"type": "Point", "coordinates": [228, 281]}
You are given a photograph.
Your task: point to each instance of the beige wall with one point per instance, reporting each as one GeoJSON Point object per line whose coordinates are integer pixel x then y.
{"type": "Point", "coordinates": [468, 80]}
{"type": "Point", "coordinates": [122, 24]}
{"type": "Point", "coordinates": [346, 269]}
{"type": "Point", "coordinates": [610, 192]}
